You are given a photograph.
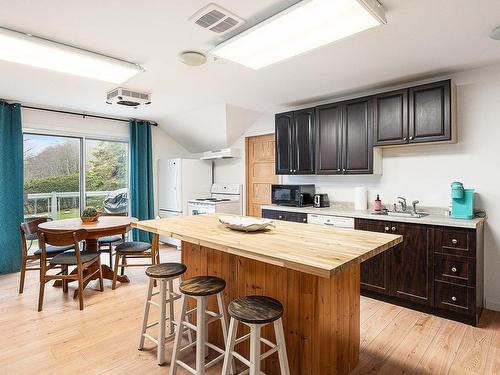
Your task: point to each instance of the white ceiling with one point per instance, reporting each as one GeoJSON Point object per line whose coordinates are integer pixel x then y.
{"type": "Point", "coordinates": [422, 37]}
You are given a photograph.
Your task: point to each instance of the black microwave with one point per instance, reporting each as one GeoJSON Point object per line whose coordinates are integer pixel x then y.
{"type": "Point", "coordinates": [293, 195]}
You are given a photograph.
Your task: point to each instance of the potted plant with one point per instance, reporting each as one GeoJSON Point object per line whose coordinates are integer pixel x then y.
{"type": "Point", "coordinates": [90, 215]}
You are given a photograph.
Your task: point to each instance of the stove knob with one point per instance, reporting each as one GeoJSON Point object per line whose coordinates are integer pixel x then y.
{"type": "Point", "coordinates": [454, 299]}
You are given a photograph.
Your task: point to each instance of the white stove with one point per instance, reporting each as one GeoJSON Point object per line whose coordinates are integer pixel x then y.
{"type": "Point", "coordinates": [224, 198]}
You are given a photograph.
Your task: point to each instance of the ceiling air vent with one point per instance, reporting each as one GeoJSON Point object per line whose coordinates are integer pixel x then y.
{"type": "Point", "coordinates": [217, 19]}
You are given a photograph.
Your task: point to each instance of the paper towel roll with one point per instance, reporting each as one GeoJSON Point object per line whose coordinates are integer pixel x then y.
{"type": "Point", "coordinates": [360, 198]}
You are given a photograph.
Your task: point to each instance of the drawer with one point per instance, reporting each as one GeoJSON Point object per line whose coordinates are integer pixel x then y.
{"type": "Point", "coordinates": [454, 297]}
{"type": "Point", "coordinates": [455, 269]}
{"type": "Point", "coordinates": [297, 217]}
{"type": "Point", "coordinates": [456, 241]}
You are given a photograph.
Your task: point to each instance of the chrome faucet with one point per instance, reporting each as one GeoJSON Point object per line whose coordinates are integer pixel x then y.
{"type": "Point", "coordinates": [402, 202]}
{"type": "Point", "coordinates": [414, 204]}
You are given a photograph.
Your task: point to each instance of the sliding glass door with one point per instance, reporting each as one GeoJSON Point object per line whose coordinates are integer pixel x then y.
{"type": "Point", "coordinates": [106, 175]}
{"type": "Point", "coordinates": [51, 176]}
{"type": "Point", "coordinates": [57, 185]}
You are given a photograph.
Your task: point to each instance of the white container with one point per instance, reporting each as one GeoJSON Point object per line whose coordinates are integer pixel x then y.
{"type": "Point", "coordinates": [360, 199]}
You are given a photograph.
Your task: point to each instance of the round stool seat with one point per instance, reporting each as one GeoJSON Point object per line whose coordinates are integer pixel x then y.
{"type": "Point", "coordinates": [256, 309]}
{"type": "Point", "coordinates": [202, 286]}
{"type": "Point", "coordinates": [166, 270]}
{"type": "Point", "coordinates": [133, 247]}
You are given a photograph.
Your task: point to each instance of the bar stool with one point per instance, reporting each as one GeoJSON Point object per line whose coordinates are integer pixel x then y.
{"type": "Point", "coordinates": [255, 312]}
{"type": "Point", "coordinates": [164, 274]}
{"type": "Point", "coordinates": [199, 288]}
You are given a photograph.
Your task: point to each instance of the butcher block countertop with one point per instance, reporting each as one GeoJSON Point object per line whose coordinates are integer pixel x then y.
{"type": "Point", "coordinates": [312, 249]}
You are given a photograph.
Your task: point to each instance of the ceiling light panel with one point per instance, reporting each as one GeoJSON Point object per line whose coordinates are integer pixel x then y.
{"type": "Point", "coordinates": [30, 50]}
{"type": "Point", "coordinates": [305, 26]}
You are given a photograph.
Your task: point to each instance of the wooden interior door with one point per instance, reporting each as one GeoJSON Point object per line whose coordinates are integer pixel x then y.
{"type": "Point", "coordinates": [260, 172]}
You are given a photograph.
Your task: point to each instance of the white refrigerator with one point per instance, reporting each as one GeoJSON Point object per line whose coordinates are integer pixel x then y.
{"type": "Point", "coordinates": [178, 181]}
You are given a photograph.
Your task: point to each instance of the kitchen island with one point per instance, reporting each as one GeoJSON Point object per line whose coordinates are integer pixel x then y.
{"type": "Point", "coordinates": [313, 270]}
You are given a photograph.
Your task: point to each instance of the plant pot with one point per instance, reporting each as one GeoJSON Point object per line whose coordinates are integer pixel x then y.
{"type": "Point", "coordinates": [90, 219]}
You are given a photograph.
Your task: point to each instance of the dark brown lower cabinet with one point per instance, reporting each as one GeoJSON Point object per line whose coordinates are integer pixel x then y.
{"type": "Point", "coordinates": [428, 271]}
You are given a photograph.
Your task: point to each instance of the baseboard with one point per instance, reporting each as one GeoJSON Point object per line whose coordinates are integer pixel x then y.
{"type": "Point", "coordinates": [493, 305]}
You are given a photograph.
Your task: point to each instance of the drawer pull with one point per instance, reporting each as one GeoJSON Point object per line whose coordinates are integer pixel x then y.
{"type": "Point", "coordinates": [454, 269]}
{"type": "Point", "coordinates": [393, 229]}
{"type": "Point", "coordinates": [454, 241]}
{"type": "Point", "coordinates": [454, 299]}
{"type": "Point", "coordinates": [387, 229]}
{"type": "Point", "coordinates": [280, 217]}
{"type": "Point", "coordinates": [304, 220]}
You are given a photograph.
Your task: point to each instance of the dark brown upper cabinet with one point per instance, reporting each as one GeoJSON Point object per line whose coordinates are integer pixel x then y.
{"type": "Point", "coordinates": [418, 114]}
{"type": "Point", "coordinates": [358, 137]}
{"type": "Point", "coordinates": [390, 118]}
{"type": "Point", "coordinates": [295, 142]}
{"type": "Point", "coordinates": [284, 135]}
{"type": "Point", "coordinates": [430, 112]}
{"type": "Point", "coordinates": [329, 139]}
{"type": "Point", "coordinates": [344, 138]}
{"type": "Point", "coordinates": [339, 138]}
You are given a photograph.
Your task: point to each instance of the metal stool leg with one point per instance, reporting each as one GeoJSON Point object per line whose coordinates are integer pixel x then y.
{"type": "Point", "coordinates": [146, 314]}
{"type": "Point", "coordinates": [161, 324]}
{"type": "Point", "coordinates": [255, 349]}
{"type": "Point", "coordinates": [178, 336]}
{"type": "Point", "coordinates": [280, 341]}
{"type": "Point", "coordinates": [228, 356]}
{"type": "Point", "coordinates": [171, 306]}
{"type": "Point", "coordinates": [201, 337]}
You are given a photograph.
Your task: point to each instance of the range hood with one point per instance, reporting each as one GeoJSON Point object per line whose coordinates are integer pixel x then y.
{"type": "Point", "coordinates": [224, 153]}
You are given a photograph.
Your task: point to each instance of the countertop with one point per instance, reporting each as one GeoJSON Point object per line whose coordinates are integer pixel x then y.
{"type": "Point", "coordinates": [313, 249]}
{"type": "Point", "coordinates": [432, 219]}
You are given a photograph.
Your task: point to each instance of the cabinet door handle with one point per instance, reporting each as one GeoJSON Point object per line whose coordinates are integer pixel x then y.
{"type": "Point", "coordinates": [343, 170]}
{"type": "Point", "coordinates": [411, 137]}
{"type": "Point", "coordinates": [454, 241]}
{"type": "Point", "coordinates": [404, 138]}
{"type": "Point", "coordinates": [454, 269]}
{"type": "Point", "coordinates": [393, 229]}
{"type": "Point", "coordinates": [387, 229]}
{"type": "Point", "coordinates": [454, 299]}
{"type": "Point", "coordinates": [338, 170]}
{"type": "Point", "coordinates": [280, 217]}
{"type": "Point", "coordinates": [291, 170]}
{"type": "Point", "coordinates": [304, 220]}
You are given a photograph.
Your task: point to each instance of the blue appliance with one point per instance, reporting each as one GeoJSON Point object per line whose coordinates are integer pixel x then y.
{"type": "Point", "coordinates": [462, 201]}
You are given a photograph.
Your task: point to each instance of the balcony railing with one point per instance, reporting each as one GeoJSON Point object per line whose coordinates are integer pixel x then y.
{"type": "Point", "coordinates": [52, 207]}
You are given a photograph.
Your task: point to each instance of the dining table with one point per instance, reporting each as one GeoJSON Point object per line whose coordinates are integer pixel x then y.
{"type": "Point", "coordinates": [103, 227]}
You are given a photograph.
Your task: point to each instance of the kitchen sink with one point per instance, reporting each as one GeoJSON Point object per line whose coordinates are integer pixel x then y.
{"type": "Point", "coordinates": [417, 215]}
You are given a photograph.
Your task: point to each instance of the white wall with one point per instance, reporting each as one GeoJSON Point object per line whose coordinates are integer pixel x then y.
{"type": "Point", "coordinates": [164, 147]}
{"type": "Point", "coordinates": [425, 172]}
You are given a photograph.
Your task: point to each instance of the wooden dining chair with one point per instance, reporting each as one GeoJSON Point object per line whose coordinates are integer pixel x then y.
{"type": "Point", "coordinates": [106, 243]}
{"type": "Point", "coordinates": [81, 260]}
{"type": "Point", "coordinates": [135, 249]}
{"type": "Point", "coordinates": [31, 261]}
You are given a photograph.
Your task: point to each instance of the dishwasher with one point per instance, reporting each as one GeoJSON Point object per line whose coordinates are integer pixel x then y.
{"type": "Point", "coordinates": [333, 221]}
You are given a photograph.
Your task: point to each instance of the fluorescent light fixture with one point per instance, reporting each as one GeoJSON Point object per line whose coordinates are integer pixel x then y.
{"type": "Point", "coordinates": [42, 53]}
{"type": "Point", "coordinates": [307, 25]}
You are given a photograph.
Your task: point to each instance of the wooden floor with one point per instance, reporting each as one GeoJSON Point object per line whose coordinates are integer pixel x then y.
{"type": "Point", "coordinates": [103, 338]}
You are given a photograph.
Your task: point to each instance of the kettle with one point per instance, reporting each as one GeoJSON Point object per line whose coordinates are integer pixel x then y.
{"type": "Point", "coordinates": [321, 200]}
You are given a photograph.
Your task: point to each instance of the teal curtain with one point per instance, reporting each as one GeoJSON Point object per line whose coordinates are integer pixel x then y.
{"type": "Point", "coordinates": [11, 186]}
{"type": "Point", "coordinates": [141, 175]}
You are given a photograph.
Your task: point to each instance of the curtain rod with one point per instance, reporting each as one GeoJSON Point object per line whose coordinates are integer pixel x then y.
{"type": "Point", "coordinates": [84, 114]}
{"type": "Point", "coordinates": [78, 113]}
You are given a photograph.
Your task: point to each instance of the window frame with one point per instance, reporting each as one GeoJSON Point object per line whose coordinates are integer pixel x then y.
{"type": "Point", "coordinates": [83, 151]}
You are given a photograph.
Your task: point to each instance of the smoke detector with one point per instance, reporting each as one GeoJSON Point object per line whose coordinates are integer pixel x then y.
{"type": "Point", "coordinates": [215, 18]}
{"type": "Point", "coordinates": [193, 58]}
{"type": "Point", "coordinates": [128, 98]}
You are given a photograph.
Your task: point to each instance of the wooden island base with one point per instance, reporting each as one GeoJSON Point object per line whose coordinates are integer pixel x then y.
{"type": "Point", "coordinates": [321, 315]}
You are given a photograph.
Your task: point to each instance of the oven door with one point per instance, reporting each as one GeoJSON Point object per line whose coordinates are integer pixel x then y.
{"type": "Point", "coordinates": [195, 208]}
{"type": "Point", "coordinates": [285, 195]}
